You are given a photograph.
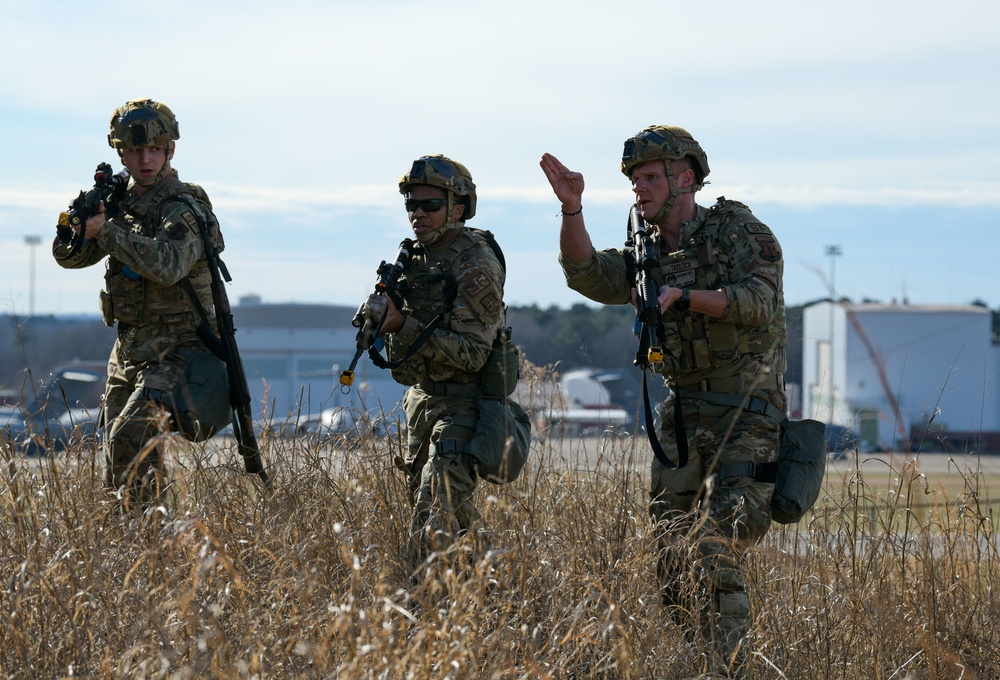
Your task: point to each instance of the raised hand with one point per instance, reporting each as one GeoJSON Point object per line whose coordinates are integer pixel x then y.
{"type": "Point", "coordinates": [566, 184]}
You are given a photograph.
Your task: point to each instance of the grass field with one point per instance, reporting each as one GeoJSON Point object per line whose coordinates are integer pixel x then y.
{"type": "Point", "coordinates": [894, 575]}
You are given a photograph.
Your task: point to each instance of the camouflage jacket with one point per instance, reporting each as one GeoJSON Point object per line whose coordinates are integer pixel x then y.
{"type": "Point", "coordinates": [151, 247]}
{"type": "Point", "coordinates": [463, 282]}
{"type": "Point", "coordinates": [723, 248]}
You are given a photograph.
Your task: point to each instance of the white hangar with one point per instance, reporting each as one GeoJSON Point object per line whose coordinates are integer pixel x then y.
{"type": "Point", "coordinates": [905, 377]}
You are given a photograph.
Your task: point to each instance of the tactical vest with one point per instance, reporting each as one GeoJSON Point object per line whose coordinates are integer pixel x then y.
{"type": "Point", "coordinates": [705, 347]}
{"type": "Point", "coordinates": [137, 301]}
{"type": "Point", "coordinates": [429, 291]}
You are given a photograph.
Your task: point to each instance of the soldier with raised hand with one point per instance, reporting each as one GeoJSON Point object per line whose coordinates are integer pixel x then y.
{"type": "Point", "coordinates": [452, 309]}
{"type": "Point", "coordinates": [722, 310]}
{"type": "Point", "coordinates": [155, 264]}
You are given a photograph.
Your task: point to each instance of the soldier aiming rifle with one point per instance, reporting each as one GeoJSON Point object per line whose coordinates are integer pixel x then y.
{"type": "Point", "coordinates": [164, 296]}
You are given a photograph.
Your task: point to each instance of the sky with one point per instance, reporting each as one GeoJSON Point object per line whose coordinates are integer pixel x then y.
{"type": "Point", "coordinates": [872, 126]}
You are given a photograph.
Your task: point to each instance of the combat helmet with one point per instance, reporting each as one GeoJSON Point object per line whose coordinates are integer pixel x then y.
{"type": "Point", "coordinates": [440, 171]}
{"type": "Point", "coordinates": [142, 122]}
{"type": "Point", "coordinates": [664, 142]}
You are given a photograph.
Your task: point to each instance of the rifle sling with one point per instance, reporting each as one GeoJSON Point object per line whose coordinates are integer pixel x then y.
{"type": "Point", "coordinates": [420, 341]}
{"type": "Point", "coordinates": [239, 398]}
{"type": "Point", "coordinates": [204, 329]}
{"type": "Point", "coordinates": [680, 433]}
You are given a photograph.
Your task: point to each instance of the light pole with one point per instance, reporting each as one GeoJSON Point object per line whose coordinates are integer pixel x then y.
{"type": "Point", "coordinates": [32, 242]}
{"type": "Point", "coordinates": [833, 252]}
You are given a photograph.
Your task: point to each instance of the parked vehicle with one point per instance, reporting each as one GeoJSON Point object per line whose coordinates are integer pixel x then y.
{"type": "Point", "coordinates": [64, 409]}
{"type": "Point", "coordinates": [841, 441]}
{"type": "Point", "coordinates": [350, 424]}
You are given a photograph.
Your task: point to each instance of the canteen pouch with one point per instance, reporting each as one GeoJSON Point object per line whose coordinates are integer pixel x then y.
{"type": "Point", "coordinates": [499, 375]}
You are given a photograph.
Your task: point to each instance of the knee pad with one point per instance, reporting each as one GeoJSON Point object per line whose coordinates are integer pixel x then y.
{"type": "Point", "coordinates": [734, 605]}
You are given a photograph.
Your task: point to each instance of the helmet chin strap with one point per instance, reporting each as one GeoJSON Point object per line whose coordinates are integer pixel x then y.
{"type": "Point", "coordinates": [668, 205]}
{"type": "Point", "coordinates": [438, 234]}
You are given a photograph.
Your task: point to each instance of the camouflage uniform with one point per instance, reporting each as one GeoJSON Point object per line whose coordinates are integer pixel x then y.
{"type": "Point", "coordinates": [151, 247]}
{"type": "Point", "coordinates": [743, 352]}
{"type": "Point", "coordinates": [440, 405]}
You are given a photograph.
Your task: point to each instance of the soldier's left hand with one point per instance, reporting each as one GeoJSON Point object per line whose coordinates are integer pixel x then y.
{"type": "Point", "coordinates": [393, 317]}
{"type": "Point", "coordinates": [667, 297]}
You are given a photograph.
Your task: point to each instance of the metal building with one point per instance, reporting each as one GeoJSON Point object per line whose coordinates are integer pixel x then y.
{"type": "Point", "coordinates": [903, 376]}
{"type": "Point", "coordinates": [293, 355]}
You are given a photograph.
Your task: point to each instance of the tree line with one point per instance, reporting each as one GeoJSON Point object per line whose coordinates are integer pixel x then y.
{"type": "Point", "coordinates": [582, 336]}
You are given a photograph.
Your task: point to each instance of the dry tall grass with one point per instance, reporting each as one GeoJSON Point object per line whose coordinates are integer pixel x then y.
{"type": "Point", "coordinates": [309, 582]}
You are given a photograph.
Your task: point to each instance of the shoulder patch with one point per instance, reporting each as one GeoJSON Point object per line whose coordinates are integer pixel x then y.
{"type": "Point", "coordinates": [482, 294]}
{"type": "Point", "coordinates": [177, 231]}
{"type": "Point", "coordinates": [767, 247]}
{"type": "Point", "coordinates": [491, 304]}
{"type": "Point", "coordinates": [475, 284]}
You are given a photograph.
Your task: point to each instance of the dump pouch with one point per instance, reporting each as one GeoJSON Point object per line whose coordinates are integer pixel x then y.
{"type": "Point", "coordinates": [797, 474]}
{"type": "Point", "coordinates": [499, 448]}
{"type": "Point", "coordinates": [800, 468]}
{"type": "Point", "coordinates": [201, 398]}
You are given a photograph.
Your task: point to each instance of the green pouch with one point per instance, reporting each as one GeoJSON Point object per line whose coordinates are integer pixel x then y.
{"type": "Point", "coordinates": [107, 312]}
{"type": "Point", "coordinates": [499, 375]}
{"type": "Point", "coordinates": [801, 464]}
{"type": "Point", "coordinates": [499, 448]}
{"type": "Point", "coordinates": [723, 342]}
{"type": "Point", "coordinates": [127, 297]}
{"type": "Point", "coordinates": [201, 397]}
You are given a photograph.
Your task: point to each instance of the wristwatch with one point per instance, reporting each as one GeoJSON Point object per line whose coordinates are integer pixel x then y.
{"type": "Point", "coordinates": [684, 301]}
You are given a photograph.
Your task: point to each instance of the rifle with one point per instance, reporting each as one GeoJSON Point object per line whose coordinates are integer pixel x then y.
{"type": "Point", "coordinates": [643, 262]}
{"type": "Point", "coordinates": [109, 187]}
{"type": "Point", "coordinates": [372, 312]}
{"type": "Point", "coordinates": [649, 353]}
{"type": "Point", "coordinates": [222, 343]}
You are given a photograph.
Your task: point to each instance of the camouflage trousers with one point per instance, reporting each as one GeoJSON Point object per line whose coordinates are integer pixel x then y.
{"type": "Point", "coordinates": [441, 477]}
{"type": "Point", "coordinates": [704, 524]}
{"type": "Point", "coordinates": [135, 415]}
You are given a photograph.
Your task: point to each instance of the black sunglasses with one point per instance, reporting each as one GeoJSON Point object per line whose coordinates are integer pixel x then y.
{"type": "Point", "coordinates": [428, 205]}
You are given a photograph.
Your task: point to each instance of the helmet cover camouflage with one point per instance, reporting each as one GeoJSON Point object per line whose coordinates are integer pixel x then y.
{"type": "Point", "coordinates": [664, 142]}
{"type": "Point", "coordinates": [142, 122]}
{"type": "Point", "coordinates": [441, 171]}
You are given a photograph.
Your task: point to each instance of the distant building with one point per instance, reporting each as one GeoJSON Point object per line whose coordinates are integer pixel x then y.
{"type": "Point", "coordinates": [903, 376]}
{"type": "Point", "coordinates": [293, 355]}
